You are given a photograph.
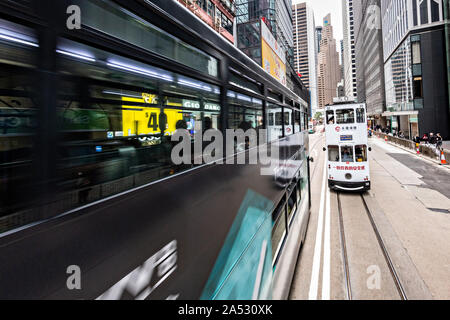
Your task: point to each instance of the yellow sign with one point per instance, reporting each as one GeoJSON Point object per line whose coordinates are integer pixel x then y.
{"type": "Point", "coordinates": [272, 63]}
{"type": "Point", "coordinates": [138, 120]}
{"type": "Point", "coordinates": [273, 57]}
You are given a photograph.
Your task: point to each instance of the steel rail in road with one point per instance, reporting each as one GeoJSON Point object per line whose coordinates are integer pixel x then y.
{"type": "Point", "coordinates": [387, 257]}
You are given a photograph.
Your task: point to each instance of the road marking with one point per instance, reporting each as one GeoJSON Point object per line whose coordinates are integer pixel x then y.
{"type": "Point", "coordinates": [314, 285]}
{"type": "Point", "coordinates": [327, 251]}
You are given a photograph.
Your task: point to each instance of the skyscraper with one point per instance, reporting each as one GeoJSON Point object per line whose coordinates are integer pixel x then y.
{"type": "Point", "coordinates": [349, 57]}
{"type": "Point", "coordinates": [369, 58]}
{"type": "Point", "coordinates": [318, 38]}
{"type": "Point", "coordinates": [415, 65]}
{"type": "Point", "coordinates": [305, 51]}
{"type": "Point", "coordinates": [328, 68]}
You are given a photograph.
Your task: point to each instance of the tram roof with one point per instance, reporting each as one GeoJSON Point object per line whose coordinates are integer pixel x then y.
{"type": "Point", "coordinates": [193, 24]}
{"type": "Point", "coordinates": [340, 106]}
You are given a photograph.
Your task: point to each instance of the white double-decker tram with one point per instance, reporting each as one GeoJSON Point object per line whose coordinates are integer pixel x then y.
{"type": "Point", "coordinates": [347, 147]}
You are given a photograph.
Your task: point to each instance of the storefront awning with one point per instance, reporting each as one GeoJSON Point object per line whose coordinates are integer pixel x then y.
{"type": "Point", "coordinates": [400, 113]}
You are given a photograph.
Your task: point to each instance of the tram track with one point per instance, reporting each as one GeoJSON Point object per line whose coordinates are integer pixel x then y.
{"type": "Point", "coordinates": [345, 256]}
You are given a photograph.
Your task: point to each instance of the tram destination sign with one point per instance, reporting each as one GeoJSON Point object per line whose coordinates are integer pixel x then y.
{"type": "Point", "coordinates": [345, 138]}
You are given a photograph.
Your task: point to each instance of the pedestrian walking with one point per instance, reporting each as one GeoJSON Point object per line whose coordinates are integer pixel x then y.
{"type": "Point", "coordinates": [425, 138]}
{"type": "Point", "coordinates": [439, 141]}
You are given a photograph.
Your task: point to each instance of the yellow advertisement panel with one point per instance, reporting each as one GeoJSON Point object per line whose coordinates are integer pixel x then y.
{"type": "Point", "coordinates": [272, 63]}
{"type": "Point", "coordinates": [138, 120]}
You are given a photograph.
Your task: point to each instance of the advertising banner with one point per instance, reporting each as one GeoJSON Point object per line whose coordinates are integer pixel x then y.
{"type": "Point", "coordinates": [273, 57]}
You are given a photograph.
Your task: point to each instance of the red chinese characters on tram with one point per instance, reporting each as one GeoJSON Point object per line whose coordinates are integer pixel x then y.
{"type": "Point", "coordinates": [351, 168]}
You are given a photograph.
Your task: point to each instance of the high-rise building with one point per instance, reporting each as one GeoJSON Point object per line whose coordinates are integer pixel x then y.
{"type": "Point", "coordinates": [219, 15]}
{"type": "Point", "coordinates": [342, 62]}
{"type": "Point", "coordinates": [318, 38]}
{"type": "Point", "coordinates": [369, 58]}
{"type": "Point", "coordinates": [447, 41]}
{"type": "Point", "coordinates": [415, 65]}
{"type": "Point", "coordinates": [349, 57]}
{"type": "Point", "coordinates": [305, 49]}
{"type": "Point", "coordinates": [277, 15]}
{"type": "Point", "coordinates": [328, 68]}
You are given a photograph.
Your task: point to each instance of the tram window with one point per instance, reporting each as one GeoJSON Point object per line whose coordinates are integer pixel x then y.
{"type": "Point", "coordinates": [245, 112]}
{"type": "Point", "coordinates": [347, 154]}
{"type": "Point", "coordinates": [361, 153]}
{"type": "Point", "coordinates": [333, 153]}
{"type": "Point", "coordinates": [330, 117]}
{"type": "Point", "coordinates": [292, 203]}
{"type": "Point", "coordinates": [279, 228]}
{"type": "Point", "coordinates": [287, 116]}
{"type": "Point", "coordinates": [345, 116]}
{"type": "Point", "coordinates": [126, 26]}
{"type": "Point", "coordinates": [288, 119]}
{"type": "Point", "coordinates": [274, 127]}
{"type": "Point", "coordinates": [278, 119]}
{"type": "Point", "coordinates": [116, 135]}
{"type": "Point", "coordinates": [18, 124]}
{"type": "Point", "coordinates": [299, 190]}
{"type": "Point", "coordinates": [360, 115]}
{"type": "Point", "coordinates": [271, 119]}
{"type": "Point", "coordinates": [297, 121]}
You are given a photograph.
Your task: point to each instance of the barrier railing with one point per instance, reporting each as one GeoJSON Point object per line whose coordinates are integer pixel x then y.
{"type": "Point", "coordinates": [426, 150]}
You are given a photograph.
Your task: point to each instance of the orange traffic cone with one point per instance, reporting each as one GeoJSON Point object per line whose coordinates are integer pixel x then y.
{"type": "Point", "coordinates": [443, 160]}
{"type": "Point", "coordinates": [385, 139]}
{"type": "Point", "coordinates": [418, 148]}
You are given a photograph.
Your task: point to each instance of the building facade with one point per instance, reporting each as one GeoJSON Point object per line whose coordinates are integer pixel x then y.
{"type": "Point", "coordinates": [349, 56]}
{"type": "Point", "coordinates": [305, 49]}
{"type": "Point", "coordinates": [328, 67]}
{"type": "Point", "coordinates": [369, 58]}
{"type": "Point", "coordinates": [219, 15]}
{"type": "Point", "coordinates": [318, 38]}
{"type": "Point", "coordinates": [415, 63]}
{"type": "Point", "coordinates": [277, 14]}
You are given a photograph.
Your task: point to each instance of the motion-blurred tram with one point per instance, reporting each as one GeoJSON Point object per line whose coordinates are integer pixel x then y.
{"type": "Point", "coordinates": [347, 147]}
{"type": "Point", "coordinates": [88, 188]}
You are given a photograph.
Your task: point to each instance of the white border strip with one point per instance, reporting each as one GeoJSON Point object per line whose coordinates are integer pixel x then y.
{"type": "Point", "coordinates": [314, 285]}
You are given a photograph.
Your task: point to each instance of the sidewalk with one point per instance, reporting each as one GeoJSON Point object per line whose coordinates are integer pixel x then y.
{"type": "Point", "coordinates": [421, 156]}
{"type": "Point", "coordinates": [446, 145]}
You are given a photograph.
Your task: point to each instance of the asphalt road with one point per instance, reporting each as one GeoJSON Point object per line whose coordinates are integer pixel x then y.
{"type": "Point", "coordinates": [409, 200]}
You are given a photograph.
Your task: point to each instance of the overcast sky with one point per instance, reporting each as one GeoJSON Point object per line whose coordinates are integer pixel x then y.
{"type": "Point", "coordinates": [321, 8]}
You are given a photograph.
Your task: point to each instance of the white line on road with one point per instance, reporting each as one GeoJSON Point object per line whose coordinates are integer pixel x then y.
{"type": "Point", "coordinates": [327, 252]}
{"type": "Point", "coordinates": [314, 285]}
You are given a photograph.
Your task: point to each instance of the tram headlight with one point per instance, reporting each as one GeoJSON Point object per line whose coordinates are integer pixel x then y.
{"type": "Point", "coordinates": [348, 176]}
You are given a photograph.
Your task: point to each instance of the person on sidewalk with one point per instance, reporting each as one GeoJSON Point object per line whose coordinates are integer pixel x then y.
{"type": "Point", "coordinates": [432, 139]}
{"type": "Point", "coordinates": [439, 141]}
{"type": "Point", "coordinates": [425, 138]}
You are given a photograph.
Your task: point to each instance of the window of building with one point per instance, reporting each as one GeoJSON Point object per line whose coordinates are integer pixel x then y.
{"type": "Point", "coordinates": [417, 85]}
{"type": "Point", "coordinates": [424, 12]}
{"type": "Point", "coordinates": [416, 56]}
